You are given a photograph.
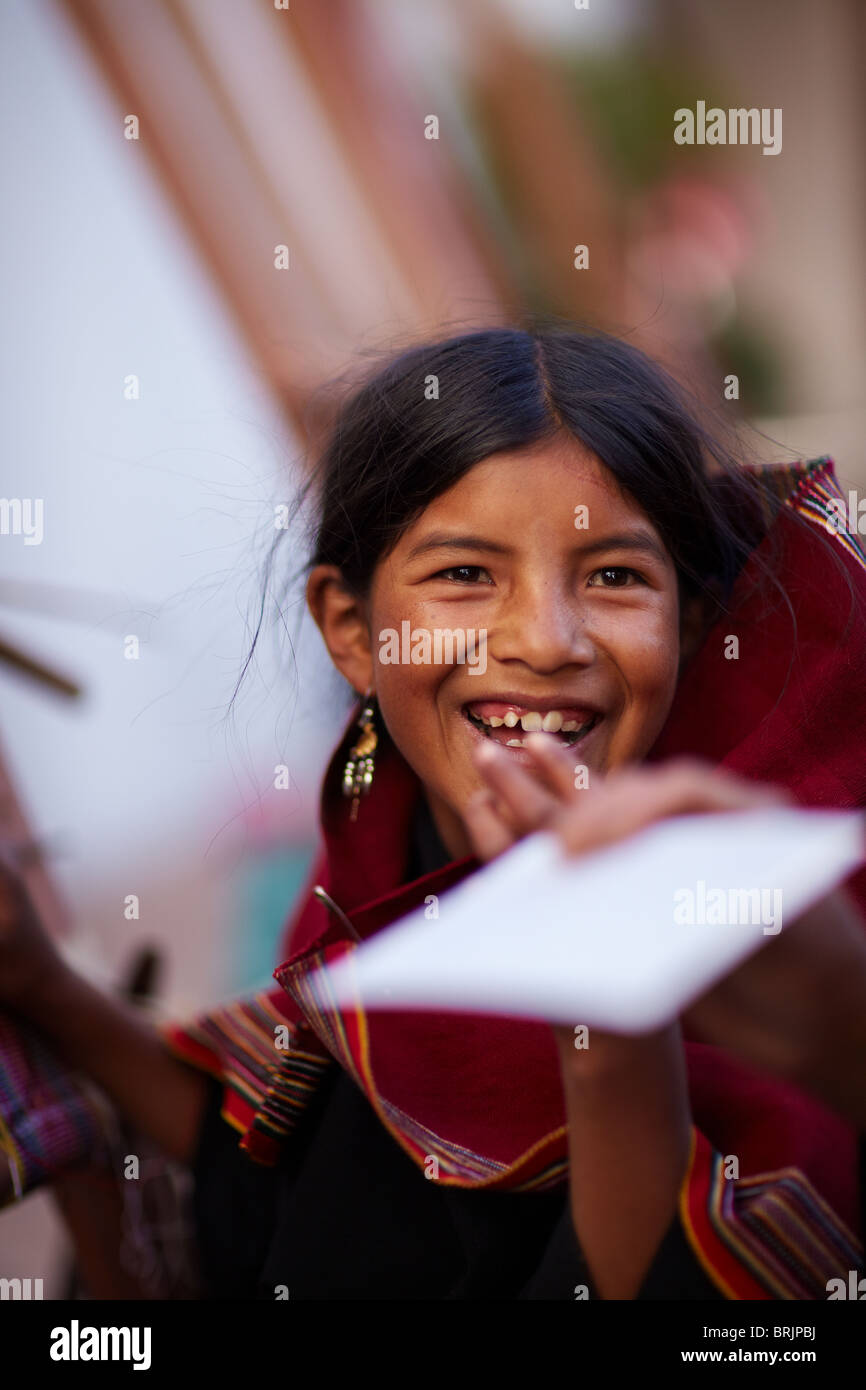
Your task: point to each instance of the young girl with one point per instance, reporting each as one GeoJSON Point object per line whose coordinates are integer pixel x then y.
{"type": "Point", "coordinates": [554, 500]}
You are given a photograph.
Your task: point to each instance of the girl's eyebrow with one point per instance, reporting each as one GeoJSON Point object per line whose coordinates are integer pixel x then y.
{"type": "Point", "coordinates": [442, 540]}
{"type": "Point", "coordinates": [628, 540]}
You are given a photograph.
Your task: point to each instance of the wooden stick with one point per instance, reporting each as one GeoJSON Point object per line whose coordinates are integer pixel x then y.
{"type": "Point", "coordinates": [37, 670]}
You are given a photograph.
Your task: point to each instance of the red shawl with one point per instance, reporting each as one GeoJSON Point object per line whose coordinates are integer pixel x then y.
{"type": "Point", "coordinates": [484, 1094]}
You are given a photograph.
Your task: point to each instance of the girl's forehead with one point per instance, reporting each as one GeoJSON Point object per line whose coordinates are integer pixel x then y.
{"type": "Point", "coordinates": [552, 479]}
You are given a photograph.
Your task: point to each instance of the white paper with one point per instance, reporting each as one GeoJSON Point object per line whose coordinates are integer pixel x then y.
{"type": "Point", "coordinates": [595, 939]}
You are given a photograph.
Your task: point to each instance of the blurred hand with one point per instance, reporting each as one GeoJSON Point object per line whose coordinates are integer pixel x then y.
{"type": "Point", "coordinates": [518, 800]}
{"type": "Point", "coordinates": [28, 956]}
{"type": "Point", "coordinates": [797, 1008]}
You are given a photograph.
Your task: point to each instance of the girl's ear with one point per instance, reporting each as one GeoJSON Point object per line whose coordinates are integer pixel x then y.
{"type": "Point", "coordinates": [696, 617]}
{"type": "Point", "coordinates": [341, 618]}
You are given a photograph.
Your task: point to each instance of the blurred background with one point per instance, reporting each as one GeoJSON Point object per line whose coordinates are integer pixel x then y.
{"type": "Point", "coordinates": [214, 208]}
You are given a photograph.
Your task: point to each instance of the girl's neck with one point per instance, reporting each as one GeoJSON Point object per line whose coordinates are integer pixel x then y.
{"type": "Point", "coordinates": [447, 827]}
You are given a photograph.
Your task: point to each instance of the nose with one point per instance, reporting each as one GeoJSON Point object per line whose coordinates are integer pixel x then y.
{"type": "Point", "coordinates": [542, 627]}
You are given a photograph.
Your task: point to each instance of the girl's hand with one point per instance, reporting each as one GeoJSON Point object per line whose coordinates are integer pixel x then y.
{"type": "Point", "coordinates": [518, 801]}
{"type": "Point", "coordinates": [797, 1008]}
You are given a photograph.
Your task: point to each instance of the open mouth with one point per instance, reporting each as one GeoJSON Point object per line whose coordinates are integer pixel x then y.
{"type": "Point", "coordinates": [508, 724]}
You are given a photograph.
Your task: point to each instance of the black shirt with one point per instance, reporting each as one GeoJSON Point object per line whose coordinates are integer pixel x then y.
{"type": "Point", "coordinates": [348, 1215]}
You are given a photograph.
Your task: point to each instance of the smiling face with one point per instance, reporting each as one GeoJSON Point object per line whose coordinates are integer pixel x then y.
{"type": "Point", "coordinates": [580, 609]}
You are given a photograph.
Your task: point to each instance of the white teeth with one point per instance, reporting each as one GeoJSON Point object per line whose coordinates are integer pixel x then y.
{"type": "Point", "coordinates": [533, 722]}
{"type": "Point", "coordinates": [514, 743]}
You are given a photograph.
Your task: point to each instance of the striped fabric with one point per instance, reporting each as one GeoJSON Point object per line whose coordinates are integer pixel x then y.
{"type": "Point", "coordinates": [812, 490]}
{"type": "Point", "coordinates": [765, 1237]}
{"type": "Point", "coordinates": [51, 1119]}
{"type": "Point", "coordinates": [269, 1067]}
{"type": "Point", "coordinates": [544, 1166]}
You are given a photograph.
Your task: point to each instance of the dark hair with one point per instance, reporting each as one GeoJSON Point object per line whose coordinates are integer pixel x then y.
{"type": "Point", "coordinates": [420, 421]}
{"type": "Point", "coordinates": [396, 446]}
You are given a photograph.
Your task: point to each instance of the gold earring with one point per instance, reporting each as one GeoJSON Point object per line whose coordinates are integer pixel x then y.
{"type": "Point", "coordinates": [358, 772]}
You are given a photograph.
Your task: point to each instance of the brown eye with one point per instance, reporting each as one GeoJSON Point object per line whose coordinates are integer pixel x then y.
{"type": "Point", "coordinates": [463, 574]}
{"type": "Point", "coordinates": [614, 577]}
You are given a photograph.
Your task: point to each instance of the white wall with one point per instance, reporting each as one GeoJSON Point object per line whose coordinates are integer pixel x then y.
{"type": "Point", "coordinates": [164, 503]}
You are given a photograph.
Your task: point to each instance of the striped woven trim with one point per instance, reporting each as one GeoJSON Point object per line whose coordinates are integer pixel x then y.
{"type": "Point", "coordinates": [51, 1118]}
{"type": "Point", "coordinates": [542, 1168]}
{"type": "Point", "coordinates": [765, 1237]}
{"type": "Point", "coordinates": [267, 1085]}
{"type": "Point", "coordinates": [812, 489]}
{"type": "Point", "coordinates": [17, 1167]}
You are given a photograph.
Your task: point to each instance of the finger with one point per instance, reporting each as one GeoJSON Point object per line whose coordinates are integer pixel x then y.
{"type": "Point", "coordinates": [729, 783]}
{"type": "Point", "coordinates": [489, 833]}
{"type": "Point", "coordinates": [523, 800]}
{"type": "Point", "coordinates": [631, 800]}
{"type": "Point", "coordinates": [697, 772]}
{"type": "Point", "coordinates": [554, 762]}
